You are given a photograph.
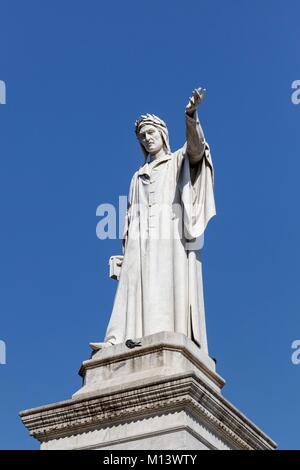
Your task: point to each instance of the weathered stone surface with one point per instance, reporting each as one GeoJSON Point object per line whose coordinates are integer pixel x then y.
{"type": "Point", "coordinates": [163, 395]}
{"type": "Point", "coordinates": [160, 355]}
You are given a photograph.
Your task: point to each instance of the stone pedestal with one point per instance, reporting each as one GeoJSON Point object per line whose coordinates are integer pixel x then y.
{"type": "Point", "coordinates": [165, 394]}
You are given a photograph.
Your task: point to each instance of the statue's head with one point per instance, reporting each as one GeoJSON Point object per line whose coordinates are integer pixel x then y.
{"type": "Point", "coordinates": [152, 134]}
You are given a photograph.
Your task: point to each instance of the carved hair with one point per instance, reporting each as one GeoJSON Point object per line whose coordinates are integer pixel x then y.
{"type": "Point", "coordinates": [160, 125]}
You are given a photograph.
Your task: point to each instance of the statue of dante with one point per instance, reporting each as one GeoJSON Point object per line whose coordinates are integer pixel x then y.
{"type": "Point", "coordinates": [170, 202]}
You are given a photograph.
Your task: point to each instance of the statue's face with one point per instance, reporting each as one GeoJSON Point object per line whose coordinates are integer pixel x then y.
{"type": "Point", "coordinates": [150, 137]}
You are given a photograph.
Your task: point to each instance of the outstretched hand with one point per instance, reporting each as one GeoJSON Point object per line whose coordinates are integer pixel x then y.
{"type": "Point", "coordinates": [195, 100]}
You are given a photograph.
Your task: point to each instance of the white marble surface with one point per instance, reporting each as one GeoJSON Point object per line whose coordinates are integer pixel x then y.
{"type": "Point", "coordinates": [163, 395]}
{"type": "Point", "coordinates": [159, 356]}
{"type": "Point", "coordinates": [170, 203]}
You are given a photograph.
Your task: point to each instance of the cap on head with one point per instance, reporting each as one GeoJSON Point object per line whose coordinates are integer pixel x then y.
{"type": "Point", "coordinates": [155, 121]}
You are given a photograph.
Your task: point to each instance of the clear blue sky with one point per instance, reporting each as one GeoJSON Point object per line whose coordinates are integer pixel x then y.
{"type": "Point", "coordinates": [78, 74]}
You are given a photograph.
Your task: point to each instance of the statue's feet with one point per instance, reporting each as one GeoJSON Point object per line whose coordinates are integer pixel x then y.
{"type": "Point", "coordinates": [98, 346]}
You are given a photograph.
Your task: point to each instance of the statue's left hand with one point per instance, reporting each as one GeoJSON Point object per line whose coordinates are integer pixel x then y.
{"type": "Point", "coordinates": [194, 101]}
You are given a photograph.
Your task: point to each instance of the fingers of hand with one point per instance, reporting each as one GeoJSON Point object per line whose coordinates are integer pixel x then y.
{"type": "Point", "coordinates": [198, 94]}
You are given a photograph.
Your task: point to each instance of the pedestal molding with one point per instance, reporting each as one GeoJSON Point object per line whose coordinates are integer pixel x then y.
{"type": "Point", "coordinates": [77, 415]}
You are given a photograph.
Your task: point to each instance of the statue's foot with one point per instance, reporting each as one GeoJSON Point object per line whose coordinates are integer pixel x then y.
{"type": "Point", "coordinates": [98, 346]}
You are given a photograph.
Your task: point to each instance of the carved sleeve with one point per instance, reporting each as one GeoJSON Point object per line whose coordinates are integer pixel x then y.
{"type": "Point", "coordinates": [195, 141]}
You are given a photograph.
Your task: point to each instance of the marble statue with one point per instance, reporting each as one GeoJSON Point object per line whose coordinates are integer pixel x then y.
{"type": "Point", "coordinates": [170, 202]}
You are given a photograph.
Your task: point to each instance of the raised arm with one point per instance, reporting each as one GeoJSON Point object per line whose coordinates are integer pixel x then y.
{"type": "Point", "coordinates": [195, 141]}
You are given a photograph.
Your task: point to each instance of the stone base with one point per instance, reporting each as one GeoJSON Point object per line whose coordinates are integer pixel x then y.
{"type": "Point", "coordinates": [163, 395]}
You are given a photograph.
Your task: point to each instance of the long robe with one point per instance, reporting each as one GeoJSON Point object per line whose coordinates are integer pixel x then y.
{"type": "Point", "coordinates": [160, 286]}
